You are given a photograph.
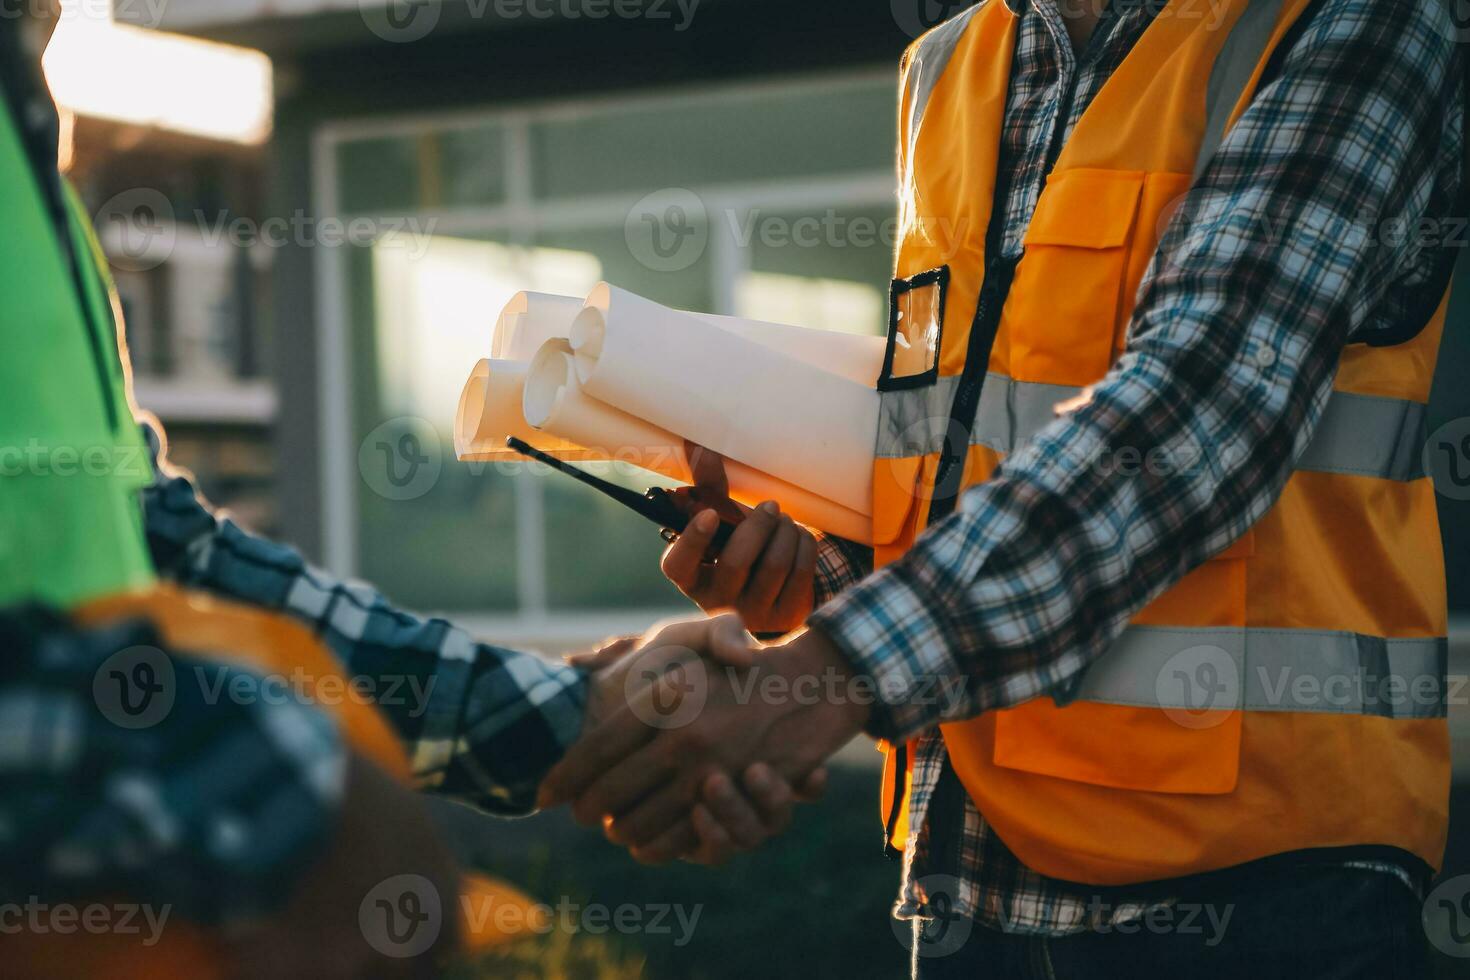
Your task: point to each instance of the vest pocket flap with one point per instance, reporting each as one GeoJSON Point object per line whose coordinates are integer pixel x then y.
{"type": "Point", "coordinates": [1086, 209]}
{"type": "Point", "coordinates": [895, 493]}
{"type": "Point", "coordinates": [1121, 746]}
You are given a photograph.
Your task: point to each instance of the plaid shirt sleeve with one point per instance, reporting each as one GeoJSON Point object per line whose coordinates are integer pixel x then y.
{"type": "Point", "coordinates": [1272, 263]}
{"type": "Point", "coordinates": [840, 563]}
{"type": "Point", "coordinates": [186, 802]}
{"type": "Point", "coordinates": [481, 723]}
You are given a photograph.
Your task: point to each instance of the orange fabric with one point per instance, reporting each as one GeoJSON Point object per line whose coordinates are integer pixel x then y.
{"type": "Point", "coordinates": [1405, 371]}
{"type": "Point", "coordinates": [269, 644]}
{"type": "Point", "coordinates": [1111, 794]}
{"type": "Point", "coordinates": [890, 781]}
{"type": "Point", "coordinates": [1076, 237]}
{"type": "Point", "coordinates": [1387, 580]}
{"type": "Point", "coordinates": [939, 226]}
{"type": "Point", "coordinates": [1306, 781]}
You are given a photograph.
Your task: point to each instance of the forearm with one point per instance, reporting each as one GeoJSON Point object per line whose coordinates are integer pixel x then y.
{"type": "Point", "coordinates": [1188, 441]}
{"type": "Point", "coordinates": [479, 722]}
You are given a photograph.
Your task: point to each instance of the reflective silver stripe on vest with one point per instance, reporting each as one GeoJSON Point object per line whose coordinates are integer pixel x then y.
{"type": "Point", "coordinates": [1364, 435]}
{"type": "Point", "coordinates": [931, 56]}
{"type": "Point", "coordinates": [1358, 435]}
{"type": "Point", "coordinates": [1232, 71]}
{"type": "Point", "coordinates": [1203, 669]}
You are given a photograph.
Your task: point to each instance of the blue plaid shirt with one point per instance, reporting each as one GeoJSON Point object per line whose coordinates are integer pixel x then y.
{"type": "Point", "coordinates": [1014, 595]}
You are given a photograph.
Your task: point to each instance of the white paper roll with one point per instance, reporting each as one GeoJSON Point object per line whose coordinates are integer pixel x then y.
{"type": "Point", "coordinates": [748, 402]}
{"type": "Point", "coordinates": [854, 356]}
{"type": "Point", "coordinates": [530, 320]}
{"type": "Point", "coordinates": [556, 404]}
{"type": "Point", "coordinates": [490, 411]}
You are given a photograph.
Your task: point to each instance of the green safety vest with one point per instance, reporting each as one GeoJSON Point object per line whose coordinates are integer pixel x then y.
{"type": "Point", "coordinates": [72, 459]}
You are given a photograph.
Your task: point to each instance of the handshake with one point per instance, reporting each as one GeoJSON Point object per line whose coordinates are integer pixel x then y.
{"type": "Point", "coordinates": [697, 741]}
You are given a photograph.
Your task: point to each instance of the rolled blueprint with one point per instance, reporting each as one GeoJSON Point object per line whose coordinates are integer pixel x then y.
{"type": "Point", "coordinates": [750, 403]}
{"type": "Point", "coordinates": [854, 356]}
{"type": "Point", "coordinates": [556, 404]}
{"type": "Point", "coordinates": [530, 320]}
{"type": "Point", "coordinates": [490, 411]}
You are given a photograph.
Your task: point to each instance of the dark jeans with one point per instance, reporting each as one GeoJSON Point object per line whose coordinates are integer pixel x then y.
{"type": "Point", "coordinates": [1309, 922]}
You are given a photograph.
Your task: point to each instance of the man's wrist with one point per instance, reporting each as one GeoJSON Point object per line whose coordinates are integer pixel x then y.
{"type": "Point", "coordinates": [815, 654]}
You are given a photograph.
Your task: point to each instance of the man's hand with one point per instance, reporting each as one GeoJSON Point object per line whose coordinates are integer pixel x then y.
{"type": "Point", "coordinates": [729, 819]}
{"type": "Point", "coordinates": [765, 572]}
{"type": "Point", "coordinates": [383, 831]}
{"type": "Point", "coordinates": [649, 763]}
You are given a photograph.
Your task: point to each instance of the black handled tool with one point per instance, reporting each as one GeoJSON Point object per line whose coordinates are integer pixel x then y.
{"type": "Point", "coordinates": [657, 504]}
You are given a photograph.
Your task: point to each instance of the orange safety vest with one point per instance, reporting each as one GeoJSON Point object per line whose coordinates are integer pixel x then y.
{"type": "Point", "coordinates": [1289, 693]}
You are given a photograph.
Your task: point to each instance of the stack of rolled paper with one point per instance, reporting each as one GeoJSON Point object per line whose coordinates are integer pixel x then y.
{"type": "Point", "coordinates": [617, 377]}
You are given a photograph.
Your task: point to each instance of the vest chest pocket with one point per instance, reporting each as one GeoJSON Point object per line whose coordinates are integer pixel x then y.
{"type": "Point", "coordinates": [1062, 314]}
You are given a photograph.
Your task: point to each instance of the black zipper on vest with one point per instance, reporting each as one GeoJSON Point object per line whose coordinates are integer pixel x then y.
{"type": "Point", "coordinates": [900, 772]}
{"type": "Point", "coordinates": [995, 285]}
{"type": "Point", "coordinates": [994, 288]}
{"type": "Point", "coordinates": [949, 478]}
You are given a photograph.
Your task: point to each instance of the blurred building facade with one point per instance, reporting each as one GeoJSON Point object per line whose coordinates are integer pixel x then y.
{"type": "Point", "coordinates": [725, 155]}
{"type": "Point", "coordinates": [197, 306]}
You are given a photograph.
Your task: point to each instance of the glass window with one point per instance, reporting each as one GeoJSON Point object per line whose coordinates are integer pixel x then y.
{"type": "Point", "coordinates": [423, 315]}
{"type": "Point", "coordinates": [827, 268]}
{"type": "Point", "coordinates": [472, 165]}
{"type": "Point", "coordinates": [826, 304]}
{"type": "Point", "coordinates": [739, 139]}
{"type": "Point", "coordinates": [462, 167]}
{"type": "Point", "coordinates": [379, 174]}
